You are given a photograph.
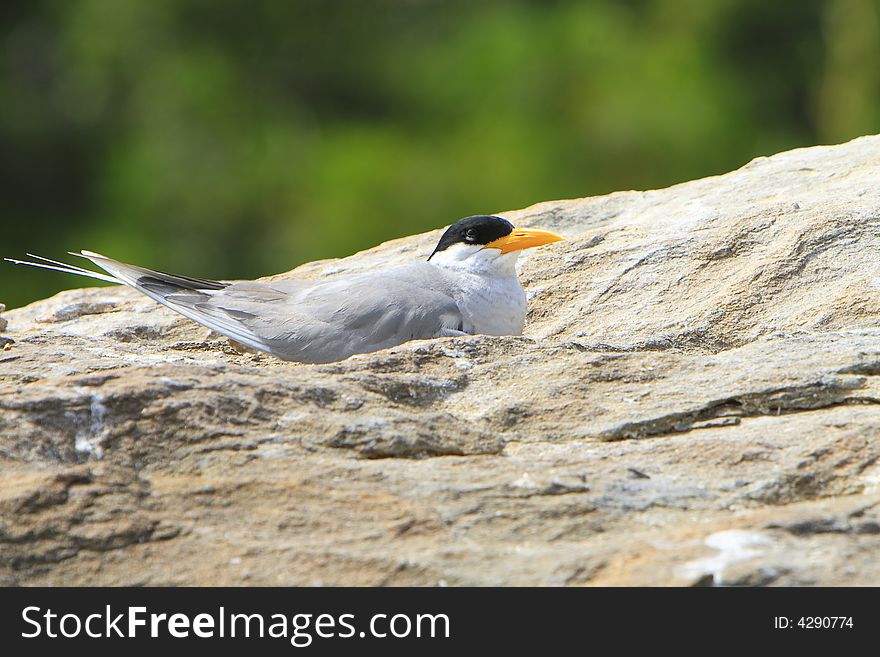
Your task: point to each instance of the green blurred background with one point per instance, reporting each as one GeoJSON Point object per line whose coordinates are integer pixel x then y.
{"type": "Point", "coordinates": [236, 139]}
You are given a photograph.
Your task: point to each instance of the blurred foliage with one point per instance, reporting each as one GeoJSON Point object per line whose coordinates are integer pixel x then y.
{"type": "Point", "coordinates": [232, 139]}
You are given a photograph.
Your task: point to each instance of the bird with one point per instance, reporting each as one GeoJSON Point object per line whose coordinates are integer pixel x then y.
{"type": "Point", "coordinates": [467, 286]}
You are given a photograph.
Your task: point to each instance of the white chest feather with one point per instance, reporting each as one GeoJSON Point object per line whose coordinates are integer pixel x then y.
{"type": "Point", "coordinates": [486, 289]}
{"type": "Point", "coordinates": [497, 307]}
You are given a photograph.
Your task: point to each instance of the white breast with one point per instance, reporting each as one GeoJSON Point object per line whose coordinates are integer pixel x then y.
{"type": "Point", "coordinates": [486, 289]}
{"type": "Point", "coordinates": [495, 307]}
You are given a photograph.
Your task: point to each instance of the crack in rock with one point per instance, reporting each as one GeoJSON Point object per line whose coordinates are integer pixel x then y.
{"type": "Point", "coordinates": [726, 412]}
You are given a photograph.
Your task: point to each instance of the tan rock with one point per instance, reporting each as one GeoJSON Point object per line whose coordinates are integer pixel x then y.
{"type": "Point", "coordinates": [694, 402]}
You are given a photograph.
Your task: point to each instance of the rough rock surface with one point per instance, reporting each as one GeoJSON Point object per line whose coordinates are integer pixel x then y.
{"type": "Point", "coordinates": [694, 402]}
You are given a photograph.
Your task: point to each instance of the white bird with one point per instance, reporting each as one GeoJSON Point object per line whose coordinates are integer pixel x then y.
{"type": "Point", "coordinates": [467, 286]}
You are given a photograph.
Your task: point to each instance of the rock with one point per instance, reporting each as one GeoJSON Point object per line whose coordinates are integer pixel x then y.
{"type": "Point", "coordinates": [693, 402]}
{"type": "Point", "coordinates": [4, 341]}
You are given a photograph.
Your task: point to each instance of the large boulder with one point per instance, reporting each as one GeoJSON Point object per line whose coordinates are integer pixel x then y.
{"type": "Point", "coordinates": [694, 402]}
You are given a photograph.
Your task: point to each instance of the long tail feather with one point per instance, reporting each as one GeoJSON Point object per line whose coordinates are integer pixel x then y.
{"type": "Point", "coordinates": [64, 268]}
{"type": "Point", "coordinates": [61, 264]}
{"type": "Point", "coordinates": [184, 294]}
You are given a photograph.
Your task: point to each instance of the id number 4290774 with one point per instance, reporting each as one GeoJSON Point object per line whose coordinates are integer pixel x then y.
{"type": "Point", "coordinates": [813, 622]}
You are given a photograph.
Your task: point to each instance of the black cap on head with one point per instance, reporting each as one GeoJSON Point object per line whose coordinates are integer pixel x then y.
{"type": "Point", "coordinates": [477, 230]}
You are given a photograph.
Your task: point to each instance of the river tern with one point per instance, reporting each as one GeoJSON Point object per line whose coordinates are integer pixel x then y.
{"type": "Point", "coordinates": [467, 286]}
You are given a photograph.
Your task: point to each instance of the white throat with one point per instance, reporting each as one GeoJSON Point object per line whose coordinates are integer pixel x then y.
{"type": "Point", "coordinates": [477, 259]}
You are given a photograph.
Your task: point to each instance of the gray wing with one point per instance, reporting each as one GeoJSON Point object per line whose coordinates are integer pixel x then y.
{"type": "Point", "coordinates": [308, 321]}
{"type": "Point", "coordinates": [331, 320]}
{"type": "Point", "coordinates": [189, 296]}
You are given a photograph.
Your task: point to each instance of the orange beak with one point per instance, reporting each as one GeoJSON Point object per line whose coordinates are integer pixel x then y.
{"type": "Point", "coordinates": [524, 238]}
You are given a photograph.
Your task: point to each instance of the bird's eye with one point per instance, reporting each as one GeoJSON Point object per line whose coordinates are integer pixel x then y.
{"type": "Point", "coordinates": [470, 234]}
